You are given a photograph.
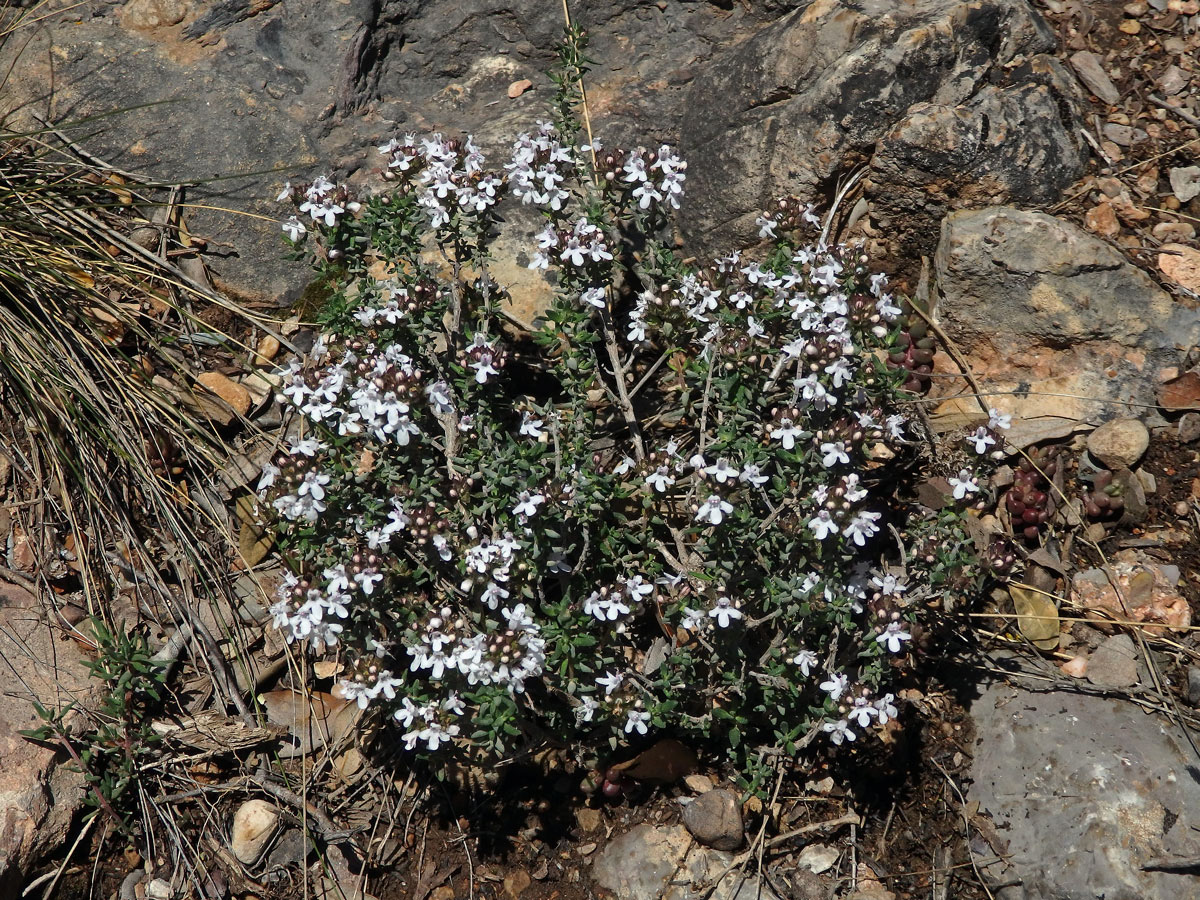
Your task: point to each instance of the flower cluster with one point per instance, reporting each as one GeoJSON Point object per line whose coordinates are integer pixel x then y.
{"type": "Point", "coordinates": [674, 514]}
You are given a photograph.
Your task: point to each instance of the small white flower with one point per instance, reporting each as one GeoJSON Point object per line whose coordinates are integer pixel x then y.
{"type": "Point", "coordinates": [693, 619]}
{"type": "Point", "coordinates": [586, 709]}
{"type": "Point", "coordinates": [610, 682]}
{"type": "Point", "coordinates": [531, 427]}
{"type": "Point", "coordinates": [528, 503]}
{"type": "Point", "coordinates": [294, 229]}
{"type": "Point", "coordinates": [862, 527]}
{"type": "Point", "coordinates": [964, 484]}
{"type": "Point", "coordinates": [751, 474]}
{"type": "Point", "coordinates": [624, 465]}
{"type": "Point", "coordinates": [721, 470]}
{"type": "Point", "coordinates": [838, 731]}
{"type": "Point", "coordinates": [637, 721]}
{"type": "Point", "coordinates": [997, 419]}
{"type": "Point", "coordinates": [863, 712]}
{"type": "Point", "coordinates": [834, 453]}
{"type": "Point", "coordinates": [660, 479]}
{"type": "Point", "coordinates": [981, 439]}
{"type": "Point", "coordinates": [822, 525]}
{"type": "Point", "coordinates": [724, 612]}
{"type": "Point", "coordinates": [805, 659]}
{"type": "Point", "coordinates": [835, 686]}
{"type": "Point", "coordinates": [886, 708]}
{"type": "Point", "coordinates": [786, 433]}
{"type": "Point", "coordinates": [714, 510]}
{"type": "Point", "coordinates": [894, 636]}
{"type": "Point", "coordinates": [593, 296]}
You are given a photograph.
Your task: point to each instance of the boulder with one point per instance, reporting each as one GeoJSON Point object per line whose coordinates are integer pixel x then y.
{"type": "Point", "coordinates": [1088, 792]}
{"type": "Point", "coordinates": [237, 97]}
{"type": "Point", "coordinates": [932, 93]}
{"type": "Point", "coordinates": [1059, 327]}
{"type": "Point", "coordinates": [39, 794]}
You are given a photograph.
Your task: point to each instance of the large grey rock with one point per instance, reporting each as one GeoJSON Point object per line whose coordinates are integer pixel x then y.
{"type": "Point", "coordinates": [242, 96]}
{"type": "Point", "coordinates": [1058, 324]}
{"type": "Point", "coordinates": [809, 98]}
{"type": "Point", "coordinates": [39, 796]}
{"type": "Point", "coordinates": [663, 863]}
{"type": "Point", "coordinates": [1087, 791]}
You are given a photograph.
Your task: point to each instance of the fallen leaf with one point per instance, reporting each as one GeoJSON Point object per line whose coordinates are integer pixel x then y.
{"type": "Point", "coordinates": [1181, 393]}
{"type": "Point", "coordinates": [1181, 264]}
{"type": "Point", "coordinates": [254, 538]}
{"type": "Point", "coordinates": [517, 88]}
{"type": "Point", "coordinates": [667, 761]}
{"type": "Point", "coordinates": [313, 720]}
{"type": "Point", "coordinates": [1038, 616]}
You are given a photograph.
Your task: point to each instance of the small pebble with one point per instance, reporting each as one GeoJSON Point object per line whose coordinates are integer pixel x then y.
{"type": "Point", "coordinates": [1182, 508]}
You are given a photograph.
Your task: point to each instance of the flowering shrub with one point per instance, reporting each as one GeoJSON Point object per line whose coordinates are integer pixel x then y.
{"type": "Point", "coordinates": [669, 508]}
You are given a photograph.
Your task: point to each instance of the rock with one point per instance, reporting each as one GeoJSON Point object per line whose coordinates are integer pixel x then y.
{"type": "Point", "coordinates": [1185, 182]}
{"type": "Point", "coordinates": [1119, 444]}
{"type": "Point", "coordinates": [515, 883]}
{"type": "Point", "coordinates": [697, 783]}
{"type": "Point", "coordinates": [1136, 588]}
{"type": "Point", "coordinates": [254, 825]}
{"type": "Point", "coordinates": [638, 864]}
{"type": "Point", "coordinates": [715, 819]}
{"type": "Point", "coordinates": [268, 346]}
{"type": "Point", "coordinates": [1193, 676]}
{"type": "Point", "coordinates": [655, 863]}
{"type": "Point", "coordinates": [1101, 220]}
{"type": "Point", "coordinates": [1189, 428]}
{"type": "Point", "coordinates": [818, 858]}
{"type": "Point", "coordinates": [236, 395]}
{"type": "Point", "coordinates": [39, 796]}
{"type": "Point", "coordinates": [917, 84]}
{"type": "Point", "coordinates": [1002, 145]}
{"type": "Point", "coordinates": [1086, 791]}
{"type": "Point", "coordinates": [1053, 315]}
{"type": "Point", "coordinates": [1114, 663]}
{"type": "Point", "coordinates": [257, 89]}
{"type": "Point", "coordinates": [146, 14]}
{"type": "Point", "coordinates": [1091, 72]}
{"type": "Point", "coordinates": [159, 889]}
{"type": "Point", "coordinates": [589, 819]}
{"type": "Point", "coordinates": [1181, 264]}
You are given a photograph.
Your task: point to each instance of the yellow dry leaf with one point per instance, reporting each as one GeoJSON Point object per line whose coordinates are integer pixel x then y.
{"type": "Point", "coordinates": [1037, 615]}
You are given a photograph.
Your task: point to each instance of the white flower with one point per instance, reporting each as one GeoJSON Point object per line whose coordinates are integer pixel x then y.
{"type": "Point", "coordinates": [610, 682]}
{"type": "Point", "coordinates": [886, 708]}
{"type": "Point", "coordinates": [636, 721]}
{"type": "Point", "coordinates": [721, 470]}
{"type": "Point", "coordinates": [593, 296]}
{"type": "Point", "coordinates": [835, 686]}
{"type": "Point", "coordinates": [838, 731]}
{"type": "Point", "coordinates": [714, 510]}
{"type": "Point", "coordinates": [660, 479]}
{"type": "Point", "coordinates": [805, 659]}
{"type": "Point", "coordinates": [862, 527]}
{"type": "Point", "coordinates": [786, 433]}
{"type": "Point", "coordinates": [822, 525]}
{"type": "Point", "coordinates": [637, 587]}
{"type": "Point", "coordinates": [531, 427]}
{"type": "Point", "coordinates": [606, 607]}
{"type": "Point", "coordinates": [528, 503]}
{"type": "Point", "coordinates": [586, 709]}
{"type": "Point", "coordinates": [751, 474]}
{"type": "Point", "coordinates": [997, 419]}
{"type": "Point", "coordinates": [863, 712]}
{"type": "Point", "coordinates": [766, 227]}
{"type": "Point", "coordinates": [981, 439]}
{"type": "Point", "coordinates": [294, 229]}
{"type": "Point", "coordinates": [724, 612]}
{"type": "Point", "coordinates": [624, 465]}
{"type": "Point", "coordinates": [693, 619]}
{"type": "Point", "coordinates": [894, 636]}
{"type": "Point", "coordinates": [964, 484]}
{"type": "Point", "coordinates": [834, 453]}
